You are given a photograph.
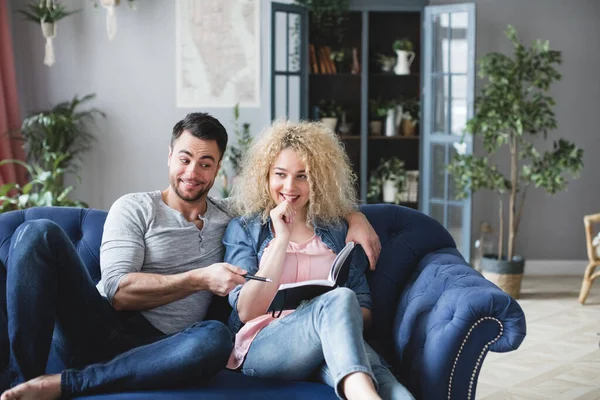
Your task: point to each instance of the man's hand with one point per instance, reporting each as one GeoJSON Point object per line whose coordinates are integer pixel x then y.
{"type": "Point", "coordinates": [360, 231]}
{"type": "Point", "coordinates": [221, 278]}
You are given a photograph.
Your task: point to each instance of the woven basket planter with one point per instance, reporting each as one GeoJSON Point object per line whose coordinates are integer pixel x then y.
{"type": "Point", "coordinates": [507, 275]}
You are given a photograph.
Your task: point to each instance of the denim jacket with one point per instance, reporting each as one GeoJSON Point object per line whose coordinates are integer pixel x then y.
{"type": "Point", "coordinates": [245, 241]}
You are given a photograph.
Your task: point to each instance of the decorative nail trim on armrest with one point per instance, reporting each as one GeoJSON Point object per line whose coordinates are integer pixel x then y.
{"type": "Point", "coordinates": [481, 355]}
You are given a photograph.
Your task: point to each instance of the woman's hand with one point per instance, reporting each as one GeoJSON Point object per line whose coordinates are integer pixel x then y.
{"type": "Point", "coordinates": [282, 218]}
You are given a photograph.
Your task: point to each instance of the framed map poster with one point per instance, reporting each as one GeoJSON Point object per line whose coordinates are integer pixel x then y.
{"type": "Point", "coordinates": [217, 53]}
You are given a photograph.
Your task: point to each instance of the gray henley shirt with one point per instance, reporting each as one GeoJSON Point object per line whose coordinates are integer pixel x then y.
{"type": "Point", "coordinates": [143, 234]}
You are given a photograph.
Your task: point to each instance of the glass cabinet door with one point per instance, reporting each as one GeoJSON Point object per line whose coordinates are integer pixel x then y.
{"type": "Point", "coordinates": [448, 93]}
{"type": "Point", "coordinates": [289, 61]}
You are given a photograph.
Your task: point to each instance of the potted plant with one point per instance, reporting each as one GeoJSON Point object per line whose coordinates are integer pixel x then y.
{"type": "Point", "coordinates": [378, 111]}
{"type": "Point", "coordinates": [405, 56]}
{"type": "Point", "coordinates": [513, 109]}
{"type": "Point", "coordinates": [235, 153]}
{"type": "Point", "coordinates": [54, 142]}
{"type": "Point", "coordinates": [327, 19]}
{"type": "Point", "coordinates": [62, 130]}
{"type": "Point", "coordinates": [343, 60]}
{"type": "Point", "coordinates": [386, 181]}
{"type": "Point", "coordinates": [410, 117]}
{"type": "Point", "coordinates": [44, 189]}
{"type": "Point", "coordinates": [329, 112]}
{"type": "Point", "coordinates": [387, 62]}
{"type": "Point", "coordinates": [46, 13]}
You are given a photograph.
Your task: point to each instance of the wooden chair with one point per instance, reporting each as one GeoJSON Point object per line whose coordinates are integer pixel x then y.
{"type": "Point", "coordinates": [589, 275]}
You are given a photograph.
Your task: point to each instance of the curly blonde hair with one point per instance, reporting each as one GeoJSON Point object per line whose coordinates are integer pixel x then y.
{"type": "Point", "coordinates": [330, 177]}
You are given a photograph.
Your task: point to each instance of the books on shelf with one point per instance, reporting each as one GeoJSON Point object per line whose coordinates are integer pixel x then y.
{"type": "Point", "coordinates": [320, 61]}
{"type": "Point", "coordinates": [290, 295]}
{"type": "Point", "coordinates": [410, 190]}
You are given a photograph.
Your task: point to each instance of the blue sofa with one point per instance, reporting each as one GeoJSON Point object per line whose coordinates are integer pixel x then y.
{"type": "Point", "coordinates": [434, 317]}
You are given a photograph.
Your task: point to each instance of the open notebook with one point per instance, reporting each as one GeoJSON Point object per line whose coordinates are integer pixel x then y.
{"type": "Point", "coordinates": [290, 295]}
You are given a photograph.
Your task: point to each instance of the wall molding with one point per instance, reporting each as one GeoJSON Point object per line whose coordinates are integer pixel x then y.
{"type": "Point", "coordinates": [555, 267]}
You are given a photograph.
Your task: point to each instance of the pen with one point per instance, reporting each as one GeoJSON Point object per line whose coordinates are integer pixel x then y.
{"type": "Point", "coordinates": [257, 278]}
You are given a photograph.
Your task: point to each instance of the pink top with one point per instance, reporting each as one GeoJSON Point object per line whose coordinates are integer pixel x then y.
{"type": "Point", "coordinates": [305, 261]}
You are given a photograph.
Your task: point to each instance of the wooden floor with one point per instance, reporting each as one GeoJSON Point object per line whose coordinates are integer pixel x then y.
{"type": "Point", "coordinates": [560, 357]}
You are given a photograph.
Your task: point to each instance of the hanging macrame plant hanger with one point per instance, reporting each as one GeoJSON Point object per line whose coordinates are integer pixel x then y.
{"type": "Point", "coordinates": [49, 32]}
{"type": "Point", "coordinates": [111, 17]}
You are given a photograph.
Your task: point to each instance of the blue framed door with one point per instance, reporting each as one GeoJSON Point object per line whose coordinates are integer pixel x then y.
{"type": "Point", "coordinates": [448, 93]}
{"type": "Point", "coordinates": [289, 61]}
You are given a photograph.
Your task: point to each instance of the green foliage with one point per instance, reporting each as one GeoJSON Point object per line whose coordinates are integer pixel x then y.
{"type": "Point", "coordinates": [235, 154]}
{"type": "Point", "coordinates": [329, 109]}
{"type": "Point", "coordinates": [61, 130]}
{"type": "Point", "coordinates": [403, 44]}
{"type": "Point", "coordinates": [391, 169]}
{"type": "Point", "coordinates": [327, 19]}
{"type": "Point", "coordinates": [54, 142]}
{"type": "Point", "coordinates": [45, 11]}
{"type": "Point", "coordinates": [513, 108]}
{"type": "Point", "coordinates": [411, 109]}
{"type": "Point", "coordinates": [378, 109]}
{"type": "Point", "coordinates": [45, 188]}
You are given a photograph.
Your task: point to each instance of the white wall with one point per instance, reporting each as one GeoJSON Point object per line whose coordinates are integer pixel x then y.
{"type": "Point", "coordinates": [133, 77]}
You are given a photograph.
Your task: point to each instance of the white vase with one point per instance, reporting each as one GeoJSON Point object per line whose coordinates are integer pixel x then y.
{"type": "Point", "coordinates": [405, 59]}
{"type": "Point", "coordinates": [330, 123]}
{"type": "Point", "coordinates": [390, 125]}
{"type": "Point", "coordinates": [390, 191]}
{"type": "Point", "coordinates": [399, 113]}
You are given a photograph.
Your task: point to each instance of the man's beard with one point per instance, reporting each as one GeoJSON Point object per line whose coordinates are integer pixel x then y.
{"type": "Point", "coordinates": [193, 198]}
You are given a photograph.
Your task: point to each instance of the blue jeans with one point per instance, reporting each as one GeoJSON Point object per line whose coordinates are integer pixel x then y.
{"type": "Point", "coordinates": [50, 293]}
{"type": "Point", "coordinates": [324, 335]}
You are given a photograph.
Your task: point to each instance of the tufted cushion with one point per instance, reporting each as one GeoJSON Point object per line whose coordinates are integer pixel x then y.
{"type": "Point", "coordinates": [406, 236]}
{"type": "Point", "coordinates": [81, 225]}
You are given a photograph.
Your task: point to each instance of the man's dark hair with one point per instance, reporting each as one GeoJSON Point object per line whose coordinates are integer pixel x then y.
{"type": "Point", "coordinates": [203, 126]}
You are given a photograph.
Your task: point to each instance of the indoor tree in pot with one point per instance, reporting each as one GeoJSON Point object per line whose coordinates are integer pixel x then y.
{"type": "Point", "coordinates": [514, 108]}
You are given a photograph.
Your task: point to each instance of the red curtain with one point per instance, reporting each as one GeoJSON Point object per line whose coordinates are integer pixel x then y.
{"type": "Point", "coordinates": [9, 104]}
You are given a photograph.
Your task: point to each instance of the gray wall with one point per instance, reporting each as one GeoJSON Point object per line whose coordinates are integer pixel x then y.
{"type": "Point", "coordinates": [552, 226]}
{"type": "Point", "coordinates": [134, 78]}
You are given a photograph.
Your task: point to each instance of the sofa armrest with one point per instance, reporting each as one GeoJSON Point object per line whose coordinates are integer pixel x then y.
{"type": "Point", "coordinates": [447, 319]}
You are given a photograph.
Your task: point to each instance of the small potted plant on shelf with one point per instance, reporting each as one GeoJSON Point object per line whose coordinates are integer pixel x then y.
{"type": "Point", "coordinates": [329, 112]}
{"type": "Point", "coordinates": [378, 111]}
{"type": "Point", "coordinates": [386, 181]}
{"type": "Point", "coordinates": [387, 62]}
{"type": "Point", "coordinates": [405, 56]}
{"type": "Point", "coordinates": [343, 60]}
{"type": "Point", "coordinates": [410, 117]}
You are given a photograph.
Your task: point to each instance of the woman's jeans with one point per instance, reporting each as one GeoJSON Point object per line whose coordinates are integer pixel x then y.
{"type": "Point", "coordinates": [324, 335]}
{"type": "Point", "coordinates": [51, 300]}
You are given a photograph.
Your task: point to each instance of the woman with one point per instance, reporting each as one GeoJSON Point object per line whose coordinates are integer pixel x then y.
{"type": "Point", "coordinates": [294, 191]}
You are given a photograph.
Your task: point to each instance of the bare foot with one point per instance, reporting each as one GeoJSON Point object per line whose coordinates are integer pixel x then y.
{"type": "Point", "coordinates": [45, 387]}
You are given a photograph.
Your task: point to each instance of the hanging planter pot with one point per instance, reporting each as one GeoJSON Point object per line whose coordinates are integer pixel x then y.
{"type": "Point", "coordinates": [111, 17]}
{"type": "Point", "coordinates": [49, 32]}
{"type": "Point", "coordinates": [46, 13]}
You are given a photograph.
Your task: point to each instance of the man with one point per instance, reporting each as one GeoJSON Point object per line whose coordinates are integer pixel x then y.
{"type": "Point", "coordinates": [141, 328]}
